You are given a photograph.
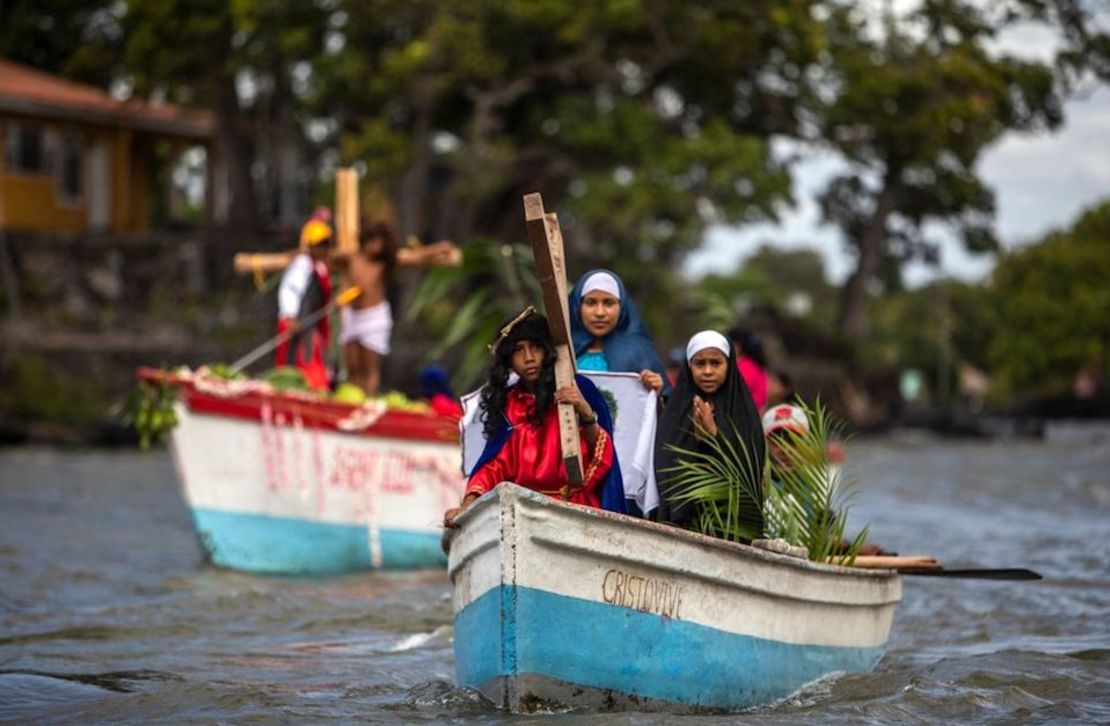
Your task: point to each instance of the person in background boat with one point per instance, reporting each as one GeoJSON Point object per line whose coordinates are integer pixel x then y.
{"type": "Point", "coordinates": [608, 333]}
{"type": "Point", "coordinates": [710, 400]}
{"type": "Point", "coordinates": [783, 421]}
{"type": "Point", "coordinates": [780, 387]}
{"type": "Point", "coordinates": [305, 288]}
{"type": "Point", "coordinates": [437, 389]}
{"type": "Point", "coordinates": [751, 364]}
{"type": "Point", "coordinates": [779, 422]}
{"type": "Point", "coordinates": [522, 427]}
{"type": "Point", "coordinates": [675, 360]}
{"type": "Point", "coordinates": [367, 323]}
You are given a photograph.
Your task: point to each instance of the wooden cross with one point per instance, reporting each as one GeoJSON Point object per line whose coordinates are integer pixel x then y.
{"type": "Point", "coordinates": [547, 248]}
{"type": "Point", "coordinates": [346, 210]}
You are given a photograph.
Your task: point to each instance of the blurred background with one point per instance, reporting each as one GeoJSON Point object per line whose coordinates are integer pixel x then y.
{"type": "Point", "coordinates": [906, 203]}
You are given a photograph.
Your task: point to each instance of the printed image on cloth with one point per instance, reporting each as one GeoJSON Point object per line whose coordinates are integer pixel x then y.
{"type": "Point", "coordinates": [634, 416]}
{"type": "Point", "coordinates": [369, 327]}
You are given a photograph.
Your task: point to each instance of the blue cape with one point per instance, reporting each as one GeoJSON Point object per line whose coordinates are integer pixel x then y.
{"type": "Point", "coordinates": [628, 347]}
{"type": "Point", "coordinates": [612, 486]}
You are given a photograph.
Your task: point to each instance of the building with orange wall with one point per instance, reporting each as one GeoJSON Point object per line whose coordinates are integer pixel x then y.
{"type": "Point", "coordinates": [77, 160]}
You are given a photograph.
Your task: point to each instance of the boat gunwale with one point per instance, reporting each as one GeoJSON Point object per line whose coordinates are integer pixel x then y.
{"type": "Point", "coordinates": [735, 548]}
{"type": "Point", "coordinates": [392, 424]}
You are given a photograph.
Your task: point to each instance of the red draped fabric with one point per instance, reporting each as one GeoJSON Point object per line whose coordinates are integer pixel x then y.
{"type": "Point", "coordinates": [532, 457]}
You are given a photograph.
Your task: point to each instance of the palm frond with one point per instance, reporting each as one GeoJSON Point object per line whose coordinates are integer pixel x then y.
{"type": "Point", "coordinates": [810, 502]}
{"type": "Point", "coordinates": [806, 502]}
{"type": "Point", "coordinates": [724, 483]}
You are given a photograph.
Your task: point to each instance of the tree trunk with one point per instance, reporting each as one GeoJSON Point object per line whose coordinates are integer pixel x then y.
{"type": "Point", "coordinates": [414, 184]}
{"type": "Point", "coordinates": [853, 323]}
{"type": "Point", "coordinates": [234, 140]}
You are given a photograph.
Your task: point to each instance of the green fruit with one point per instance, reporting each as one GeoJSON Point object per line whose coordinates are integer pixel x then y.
{"type": "Point", "coordinates": [349, 393]}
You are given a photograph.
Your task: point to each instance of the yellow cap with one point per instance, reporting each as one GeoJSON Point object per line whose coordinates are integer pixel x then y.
{"type": "Point", "coordinates": [314, 232]}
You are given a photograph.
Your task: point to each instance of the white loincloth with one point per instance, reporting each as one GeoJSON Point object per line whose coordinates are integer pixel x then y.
{"type": "Point", "coordinates": [369, 327]}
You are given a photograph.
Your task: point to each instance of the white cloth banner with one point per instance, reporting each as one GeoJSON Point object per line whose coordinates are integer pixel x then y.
{"type": "Point", "coordinates": [634, 412]}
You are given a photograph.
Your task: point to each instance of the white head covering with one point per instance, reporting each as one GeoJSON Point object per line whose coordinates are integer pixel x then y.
{"type": "Point", "coordinates": [707, 339]}
{"type": "Point", "coordinates": [602, 282]}
{"type": "Point", "coordinates": [787, 417]}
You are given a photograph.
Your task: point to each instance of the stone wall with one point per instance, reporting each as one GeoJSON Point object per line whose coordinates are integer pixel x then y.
{"type": "Point", "coordinates": [78, 314]}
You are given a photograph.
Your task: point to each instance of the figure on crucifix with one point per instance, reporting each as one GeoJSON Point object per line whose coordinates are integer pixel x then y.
{"type": "Point", "coordinates": [367, 324]}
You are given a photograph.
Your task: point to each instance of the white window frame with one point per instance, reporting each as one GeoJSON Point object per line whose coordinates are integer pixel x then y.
{"type": "Point", "coordinates": [62, 142]}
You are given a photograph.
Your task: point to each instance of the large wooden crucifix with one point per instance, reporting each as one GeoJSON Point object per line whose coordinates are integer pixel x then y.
{"type": "Point", "coordinates": [547, 248]}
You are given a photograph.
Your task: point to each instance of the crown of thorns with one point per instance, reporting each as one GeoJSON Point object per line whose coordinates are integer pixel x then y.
{"type": "Point", "coordinates": [508, 328]}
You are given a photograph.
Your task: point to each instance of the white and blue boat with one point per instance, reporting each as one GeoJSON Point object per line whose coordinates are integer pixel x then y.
{"type": "Point", "coordinates": [561, 606]}
{"type": "Point", "coordinates": [287, 483]}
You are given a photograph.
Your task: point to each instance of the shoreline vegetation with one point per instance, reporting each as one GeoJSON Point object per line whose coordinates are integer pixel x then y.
{"type": "Point", "coordinates": [992, 358]}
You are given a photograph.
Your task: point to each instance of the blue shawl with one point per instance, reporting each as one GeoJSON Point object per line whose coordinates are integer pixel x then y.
{"type": "Point", "coordinates": [612, 486]}
{"type": "Point", "coordinates": [628, 348]}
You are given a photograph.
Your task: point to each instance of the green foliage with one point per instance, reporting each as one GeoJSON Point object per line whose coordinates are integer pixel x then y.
{"type": "Point", "coordinates": [466, 304]}
{"type": "Point", "coordinates": [719, 482]}
{"type": "Point", "coordinates": [1053, 300]}
{"type": "Point", "coordinates": [807, 501]}
{"type": "Point", "coordinates": [75, 38]}
{"type": "Point", "coordinates": [285, 378]}
{"type": "Point", "coordinates": [915, 106]}
{"type": "Point", "coordinates": [933, 328]}
{"type": "Point", "coordinates": [223, 371]}
{"type": "Point", "coordinates": [770, 277]}
{"type": "Point", "coordinates": [34, 390]}
{"type": "Point", "coordinates": [641, 123]}
{"type": "Point", "coordinates": [150, 411]}
{"type": "Point", "coordinates": [611, 402]}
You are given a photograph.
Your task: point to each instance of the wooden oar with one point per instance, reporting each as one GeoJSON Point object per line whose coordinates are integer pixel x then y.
{"type": "Point", "coordinates": [1011, 573]}
{"type": "Point", "coordinates": [927, 566]}
{"type": "Point", "coordinates": [340, 300]}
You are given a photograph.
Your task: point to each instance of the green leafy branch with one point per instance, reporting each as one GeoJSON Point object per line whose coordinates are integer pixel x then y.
{"type": "Point", "coordinates": [150, 410]}
{"type": "Point", "coordinates": [805, 502]}
{"type": "Point", "coordinates": [724, 482]}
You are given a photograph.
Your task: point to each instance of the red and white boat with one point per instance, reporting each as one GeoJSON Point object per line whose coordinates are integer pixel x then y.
{"type": "Point", "coordinates": [285, 482]}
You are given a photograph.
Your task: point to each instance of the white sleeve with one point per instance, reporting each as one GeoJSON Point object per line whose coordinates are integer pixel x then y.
{"type": "Point", "coordinates": [294, 284]}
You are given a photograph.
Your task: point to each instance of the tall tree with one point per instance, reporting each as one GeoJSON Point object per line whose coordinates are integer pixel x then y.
{"type": "Point", "coordinates": [916, 102]}
{"type": "Point", "coordinates": [1052, 299]}
{"type": "Point", "coordinates": [641, 122]}
{"type": "Point", "coordinates": [71, 37]}
{"type": "Point", "coordinates": [239, 58]}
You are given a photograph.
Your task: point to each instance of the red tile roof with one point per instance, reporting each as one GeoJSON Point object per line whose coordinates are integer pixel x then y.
{"type": "Point", "coordinates": [30, 91]}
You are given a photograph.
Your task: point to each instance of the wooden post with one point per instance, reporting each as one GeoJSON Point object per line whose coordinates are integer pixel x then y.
{"type": "Point", "coordinates": [346, 210]}
{"type": "Point", "coordinates": [547, 248]}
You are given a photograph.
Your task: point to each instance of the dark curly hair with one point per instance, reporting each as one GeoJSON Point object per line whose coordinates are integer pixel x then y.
{"type": "Point", "coordinates": [384, 231]}
{"type": "Point", "coordinates": [496, 392]}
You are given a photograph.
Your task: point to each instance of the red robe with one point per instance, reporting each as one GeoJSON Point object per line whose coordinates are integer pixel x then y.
{"type": "Point", "coordinates": [532, 457]}
{"type": "Point", "coordinates": [308, 346]}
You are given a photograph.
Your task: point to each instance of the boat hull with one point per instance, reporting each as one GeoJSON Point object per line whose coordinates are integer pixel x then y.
{"type": "Point", "coordinates": [275, 486]}
{"type": "Point", "coordinates": [558, 606]}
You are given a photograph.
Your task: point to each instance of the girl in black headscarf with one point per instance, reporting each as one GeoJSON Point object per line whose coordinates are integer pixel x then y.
{"type": "Point", "coordinates": [710, 401]}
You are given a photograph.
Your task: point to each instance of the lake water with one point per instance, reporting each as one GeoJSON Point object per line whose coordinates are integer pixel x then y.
{"type": "Point", "coordinates": [108, 614]}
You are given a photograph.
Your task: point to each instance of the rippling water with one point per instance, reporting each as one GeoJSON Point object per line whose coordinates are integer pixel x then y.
{"type": "Point", "coordinates": [107, 613]}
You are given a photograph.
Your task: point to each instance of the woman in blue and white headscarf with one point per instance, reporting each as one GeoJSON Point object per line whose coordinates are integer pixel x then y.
{"type": "Point", "coordinates": [609, 334]}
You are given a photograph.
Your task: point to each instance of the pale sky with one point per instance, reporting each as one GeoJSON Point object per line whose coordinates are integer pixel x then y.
{"type": "Point", "coordinates": [1041, 182]}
